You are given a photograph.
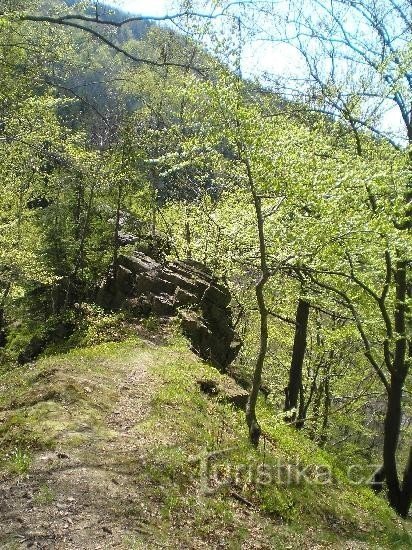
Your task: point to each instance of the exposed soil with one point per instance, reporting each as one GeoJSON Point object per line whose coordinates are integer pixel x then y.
{"type": "Point", "coordinates": [85, 497]}
{"type": "Point", "coordinates": [104, 487]}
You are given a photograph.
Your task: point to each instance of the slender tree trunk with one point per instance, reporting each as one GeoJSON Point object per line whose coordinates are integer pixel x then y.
{"type": "Point", "coordinates": [326, 407]}
{"type": "Point", "coordinates": [254, 427]}
{"type": "Point", "coordinates": [153, 199]}
{"type": "Point", "coordinates": [296, 368]}
{"type": "Point", "coordinates": [188, 239]}
{"type": "Point", "coordinates": [399, 494]}
{"type": "Point", "coordinates": [72, 279]}
{"type": "Point", "coordinates": [2, 316]}
{"type": "Point", "coordinates": [302, 409]}
{"type": "Point", "coordinates": [116, 231]}
{"type": "Point", "coordinates": [251, 419]}
{"type": "Point", "coordinates": [317, 403]}
{"type": "Point", "coordinates": [78, 209]}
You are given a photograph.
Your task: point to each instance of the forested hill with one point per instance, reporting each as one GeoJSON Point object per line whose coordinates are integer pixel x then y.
{"type": "Point", "coordinates": [105, 12]}
{"type": "Point", "coordinates": [95, 74]}
{"type": "Point", "coordinates": [195, 263]}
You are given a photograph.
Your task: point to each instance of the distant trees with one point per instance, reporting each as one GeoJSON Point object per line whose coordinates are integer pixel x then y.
{"type": "Point", "coordinates": [95, 23]}
{"type": "Point", "coordinates": [358, 61]}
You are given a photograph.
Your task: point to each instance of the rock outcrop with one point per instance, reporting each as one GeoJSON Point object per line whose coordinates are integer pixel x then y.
{"type": "Point", "coordinates": [186, 289]}
{"type": "Point", "coordinates": [226, 390]}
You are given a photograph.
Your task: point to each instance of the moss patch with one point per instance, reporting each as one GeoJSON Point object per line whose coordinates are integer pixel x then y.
{"type": "Point", "coordinates": [165, 464]}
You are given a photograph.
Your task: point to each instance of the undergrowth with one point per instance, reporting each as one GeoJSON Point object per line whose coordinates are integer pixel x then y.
{"type": "Point", "coordinates": [201, 477]}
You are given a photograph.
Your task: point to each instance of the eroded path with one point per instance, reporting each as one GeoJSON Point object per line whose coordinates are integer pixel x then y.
{"type": "Point", "coordinates": [124, 424]}
{"type": "Point", "coordinates": [87, 496]}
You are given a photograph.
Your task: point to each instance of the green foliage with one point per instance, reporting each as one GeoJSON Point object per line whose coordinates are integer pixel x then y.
{"type": "Point", "coordinates": [97, 327]}
{"type": "Point", "coordinates": [18, 461]}
{"type": "Point", "coordinates": [87, 138]}
{"type": "Point", "coordinates": [324, 241]}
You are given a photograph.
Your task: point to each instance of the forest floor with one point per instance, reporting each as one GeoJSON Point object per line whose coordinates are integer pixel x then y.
{"type": "Point", "coordinates": [101, 453]}
{"type": "Point", "coordinates": [76, 497]}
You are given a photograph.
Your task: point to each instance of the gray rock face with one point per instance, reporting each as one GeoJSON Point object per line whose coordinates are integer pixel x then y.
{"type": "Point", "coordinates": [185, 289]}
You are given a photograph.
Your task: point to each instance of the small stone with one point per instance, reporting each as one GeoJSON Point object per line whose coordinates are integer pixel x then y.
{"type": "Point", "coordinates": [62, 455]}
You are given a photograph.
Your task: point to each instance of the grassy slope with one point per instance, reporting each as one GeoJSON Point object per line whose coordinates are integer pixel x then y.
{"type": "Point", "coordinates": [63, 403]}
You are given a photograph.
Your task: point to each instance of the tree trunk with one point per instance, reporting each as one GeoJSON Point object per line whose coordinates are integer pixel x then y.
{"type": "Point", "coordinates": [399, 495]}
{"type": "Point", "coordinates": [392, 427]}
{"type": "Point", "coordinates": [188, 239]}
{"type": "Point", "coordinates": [302, 409]}
{"type": "Point", "coordinates": [406, 500]}
{"type": "Point", "coordinates": [251, 420]}
{"type": "Point", "coordinates": [326, 404]}
{"type": "Point", "coordinates": [79, 263]}
{"type": "Point", "coordinates": [2, 315]}
{"type": "Point", "coordinates": [116, 243]}
{"type": "Point", "coordinates": [2, 328]}
{"type": "Point", "coordinates": [298, 354]}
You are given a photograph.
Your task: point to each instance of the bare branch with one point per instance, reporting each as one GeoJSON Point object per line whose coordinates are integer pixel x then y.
{"type": "Point", "coordinates": [349, 304]}
{"type": "Point", "coordinates": [69, 23]}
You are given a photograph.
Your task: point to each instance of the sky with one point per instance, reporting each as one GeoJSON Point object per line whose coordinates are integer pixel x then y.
{"type": "Point", "coordinates": [145, 7]}
{"type": "Point", "coordinates": [258, 58]}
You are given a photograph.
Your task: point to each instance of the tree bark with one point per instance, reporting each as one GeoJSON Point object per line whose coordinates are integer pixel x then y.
{"type": "Point", "coordinates": [296, 367]}
{"type": "Point", "coordinates": [2, 317]}
{"type": "Point", "coordinates": [406, 500]}
{"type": "Point", "coordinates": [399, 494]}
{"type": "Point", "coordinates": [392, 427]}
{"type": "Point", "coordinates": [116, 243]}
{"type": "Point", "coordinates": [251, 420]}
{"type": "Point", "coordinates": [326, 407]}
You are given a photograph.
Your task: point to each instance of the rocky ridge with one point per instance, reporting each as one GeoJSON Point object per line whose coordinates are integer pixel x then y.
{"type": "Point", "coordinates": [186, 289]}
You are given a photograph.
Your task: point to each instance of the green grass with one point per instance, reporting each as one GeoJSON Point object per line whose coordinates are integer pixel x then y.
{"type": "Point", "coordinates": [45, 495]}
{"type": "Point", "coordinates": [65, 399]}
{"type": "Point", "coordinates": [333, 512]}
{"type": "Point", "coordinates": [18, 461]}
{"type": "Point", "coordinates": [60, 397]}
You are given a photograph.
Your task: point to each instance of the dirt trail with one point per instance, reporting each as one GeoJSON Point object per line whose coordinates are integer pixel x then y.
{"type": "Point", "coordinates": [114, 478]}
{"type": "Point", "coordinates": [86, 497]}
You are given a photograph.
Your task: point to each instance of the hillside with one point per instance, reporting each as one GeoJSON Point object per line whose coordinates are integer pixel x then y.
{"type": "Point", "coordinates": [148, 183]}
{"type": "Point", "coordinates": [101, 449]}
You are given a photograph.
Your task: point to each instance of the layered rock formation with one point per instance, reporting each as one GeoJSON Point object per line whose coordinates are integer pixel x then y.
{"type": "Point", "coordinates": [187, 289]}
